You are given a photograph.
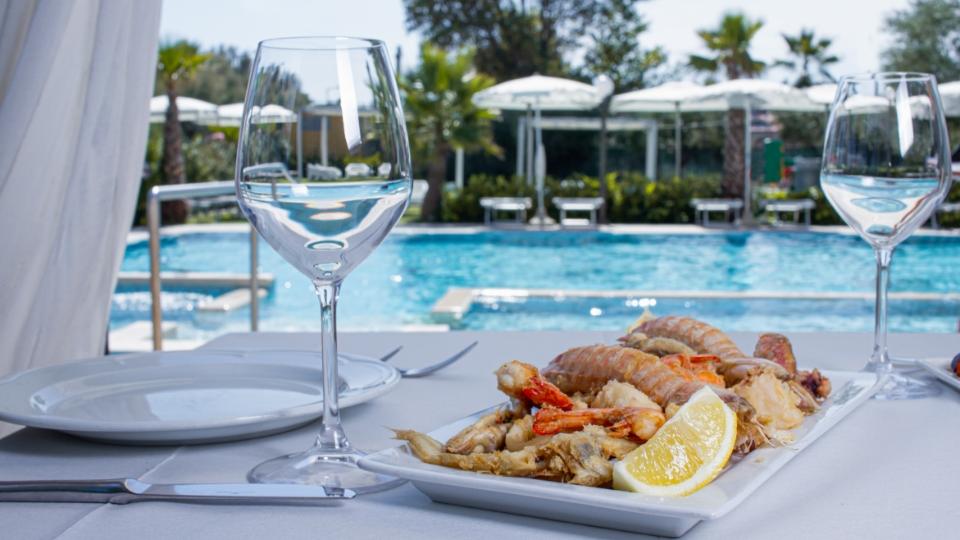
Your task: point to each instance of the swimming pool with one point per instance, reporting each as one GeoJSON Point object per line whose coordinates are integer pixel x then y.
{"type": "Point", "coordinates": [400, 283]}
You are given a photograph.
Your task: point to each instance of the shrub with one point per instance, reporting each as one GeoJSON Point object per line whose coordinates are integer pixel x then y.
{"type": "Point", "coordinates": [631, 197]}
{"type": "Point", "coordinates": [951, 220]}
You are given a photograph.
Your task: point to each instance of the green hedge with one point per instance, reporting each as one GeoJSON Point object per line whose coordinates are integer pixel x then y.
{"type": "Point", "coordinates": [631, 198]}
{"type": "Point", "coordinates": [952, 220]}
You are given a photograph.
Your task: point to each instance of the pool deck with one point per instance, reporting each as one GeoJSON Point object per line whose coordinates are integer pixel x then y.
{"type": "Point", "coordinates": [139, 234]}
{"type": "Point", "coordinates": [457, 301]}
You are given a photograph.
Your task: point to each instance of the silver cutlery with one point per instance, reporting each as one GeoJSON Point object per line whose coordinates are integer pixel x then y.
{"type": "Point", "coordinates": [129, 490]}
{"type": "Point", "coordinates": [426, 370]}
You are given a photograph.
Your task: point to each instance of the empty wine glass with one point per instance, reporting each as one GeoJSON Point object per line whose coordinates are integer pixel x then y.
{"type": "Point", "coordinates": [323, 174]}
{"type": "Point", "coordinates": [886, 167]}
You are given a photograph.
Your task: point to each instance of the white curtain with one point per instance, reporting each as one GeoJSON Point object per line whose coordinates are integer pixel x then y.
{"type": "Point", "coordinates": [75, 83]}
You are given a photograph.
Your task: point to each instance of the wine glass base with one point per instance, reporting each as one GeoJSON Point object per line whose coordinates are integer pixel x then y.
{"type": "Point", "coordinates": [321, 467]}
{"type": "Point", "coordinates": [897, 386]}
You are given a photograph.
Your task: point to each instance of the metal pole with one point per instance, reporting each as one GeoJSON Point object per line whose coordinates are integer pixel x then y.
{"type": "Point", "coordinates": [651, 150]}
{"type": "Point", "coordinates": [602, 165]}
{"type": "Point", "coordinates": [458, 168]}
{"type": "Point", "coordinates": [153, 225]}
{"type": "Point", "coordinates": [521, 132]}
{"type": "Point", "coordinates": [747, 158]}
{"type": "Point", "coordinates": [541, 171]}
{"type": "Point", "coordinates": [300, 144]}
{"type": "Point", "coordinates": [677, 141]}
{"type": "Point", "coordinates": [529, 156]}
{"type": "Point", "coordinates": [254, 285]}
{"type": "Point", "coordinates": [324, 143]}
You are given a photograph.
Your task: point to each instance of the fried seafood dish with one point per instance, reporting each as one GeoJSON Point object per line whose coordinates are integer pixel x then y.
{"type": "Point", "coordinates": [593, 405]}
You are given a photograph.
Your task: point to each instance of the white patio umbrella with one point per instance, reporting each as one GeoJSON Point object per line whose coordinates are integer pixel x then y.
{"type": "Point", "coordinates": [950, 95]}
{"type": "Point", "coordinates": [822, 94]}
{"type": "Point", "coordinates": [189, 109]}
{"type": "Point", "coordinates": [232, 114]}
{"type": "Point", "coordinates": [534, 94]}
{"type": "Point", "coordinates": [750, 94]}
{"type": "Point", "coordinates": [669, 97]}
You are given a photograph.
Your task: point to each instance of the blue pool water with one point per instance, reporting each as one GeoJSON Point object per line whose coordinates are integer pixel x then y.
{"type": "Point", "coordinates": [401, 281]}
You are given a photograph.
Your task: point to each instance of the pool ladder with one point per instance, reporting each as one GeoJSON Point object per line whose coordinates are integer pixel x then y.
{"type": "Point", "coordinates": [155, 196]}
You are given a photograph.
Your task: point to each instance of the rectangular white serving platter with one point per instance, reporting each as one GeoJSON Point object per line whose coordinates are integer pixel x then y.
{"type": "Point", "coordinates": [616, 509]}
{"type": "Point", "coordinates": [940, 368]}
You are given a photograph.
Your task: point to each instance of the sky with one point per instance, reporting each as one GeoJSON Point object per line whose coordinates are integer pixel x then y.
{"type": "Point", "coordinates": [854, 25]}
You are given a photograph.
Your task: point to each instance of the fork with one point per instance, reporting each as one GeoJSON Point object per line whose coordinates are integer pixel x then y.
{"type": "Point", "coordinates": [426, 370]}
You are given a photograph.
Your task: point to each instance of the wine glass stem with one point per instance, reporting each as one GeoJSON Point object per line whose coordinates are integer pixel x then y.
{"type": "Point", "coordinates": [331, 435]}
{"type": "Point", "coordinates": [880, 358]}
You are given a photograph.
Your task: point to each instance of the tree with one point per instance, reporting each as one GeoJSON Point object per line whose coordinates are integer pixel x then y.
{"type": "Point", "coordinates": [511, 39]}
{"type": "Point", "coordinates": [614, 51]}
{"type": "Point", "coordinates": [221, 79]}
{"type": "Point", "coordinates": [614, 46]}
{"type": "Point", "coordinates": [438, 97]}
{"type": "Point", "coordinates": [807, 50]}
{"type": "Point", "coordinates": [925, 37]}
{"type": "Point", "coordinates": [730, 43]}
{"type": "Point", "coordinates": [176, 62]}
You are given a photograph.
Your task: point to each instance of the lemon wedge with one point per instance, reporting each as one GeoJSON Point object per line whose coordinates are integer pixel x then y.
{"type": "Point", "coordinates": [687, 453]}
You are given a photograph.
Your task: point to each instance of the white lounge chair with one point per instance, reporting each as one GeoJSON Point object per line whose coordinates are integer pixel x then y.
{"type": "Point", "coordinates": [703, 207]}
{"type": "Point", "coordinates": [354, 170]}
{"type": "Point", "coordinates": [516, 205]}
{"type": "Point", "coordinates": [315, 171]}
{"type": "Point", "coordinates": [578, 204]}
{"type": "Point", "coordinates": [775, 207]}
{"type": "Point", "coordinates": [420, 188]}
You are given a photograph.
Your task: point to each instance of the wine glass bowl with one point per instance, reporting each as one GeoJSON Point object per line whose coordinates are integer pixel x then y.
{"type": "Point", "coordinates": [323, 173]}
{"type": "Point", "coordinates": [886, 166]}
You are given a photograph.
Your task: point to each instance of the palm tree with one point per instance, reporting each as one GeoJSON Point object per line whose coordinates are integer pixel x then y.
{"type": "Point", "coordinates": [808, 50]}
{"type": "Point", "coordinates": [176, 62]}
{"type": "Point", "coordinates": [439, 101]}
{"type": "Point", "coordinates": [730, 45]}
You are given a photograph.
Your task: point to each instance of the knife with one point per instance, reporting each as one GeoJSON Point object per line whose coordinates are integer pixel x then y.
{"type": "Point", "coordinates": [129, 490]}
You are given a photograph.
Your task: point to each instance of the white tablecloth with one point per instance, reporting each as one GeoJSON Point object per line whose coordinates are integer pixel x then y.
{"type": "Point", "coordinates": [890, 470]}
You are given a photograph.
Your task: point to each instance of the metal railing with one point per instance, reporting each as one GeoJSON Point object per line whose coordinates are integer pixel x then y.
{"type": "Point", "coordinates": [155, 196]}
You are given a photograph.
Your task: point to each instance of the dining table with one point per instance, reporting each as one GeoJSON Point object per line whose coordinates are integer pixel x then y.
{"type": "Point", "coordinates": [888, 470]}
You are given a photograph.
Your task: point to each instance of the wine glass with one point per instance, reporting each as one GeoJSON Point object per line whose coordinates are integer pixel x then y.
{"type": "Point", "coordinates": [886, 167]}
{"type": "Point", "coordinates": [323, 174]}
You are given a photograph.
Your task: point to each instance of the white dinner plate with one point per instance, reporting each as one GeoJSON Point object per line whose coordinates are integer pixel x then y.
{"type": "Point", "coordinates": [940, 368]}
{"type": "Point", "coordinates": [616, 509]}
{"type": "Point", "coordinates": [187, 397]}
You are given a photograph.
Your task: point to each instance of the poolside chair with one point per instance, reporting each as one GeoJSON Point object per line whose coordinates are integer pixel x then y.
{"type": "Point", "coordinates": [578, 204]}
{"type": "Point", "coordinates": [518, 206]}
{"type": "Point", "coordinates": [315, 171]}
{"type": "Point", "coordinates": [774, 207]}
{"type": "Point", "coordinates": [420, 188]}
{"type": "Point", "coordinates": [703, 207]}
{"type": "Point", "coordinates": [354, 170]}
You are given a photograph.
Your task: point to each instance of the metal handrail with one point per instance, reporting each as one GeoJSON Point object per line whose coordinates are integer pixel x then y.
{"type": "Point", "coordinates": [155, 196]}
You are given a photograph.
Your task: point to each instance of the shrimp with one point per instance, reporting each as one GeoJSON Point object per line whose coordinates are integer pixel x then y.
{"type": "Point", "coordinates": [705, 339]}
{"type": "Point", "coordinates": [698, 335]}
{"type": "Point", "coordinates": [620, 394]}
{"type": "Point", "coordinates": [777, 348]}
{"type": "Point", "coordinates": [655, 345]}
{"type": "Point", "coordinates": [523, 382]}
{"type": "Point", "coordinates": [589, 368]}
{"type": "Point", "coordinates": [701, 367]}
{"type": "Point", "coordinates": [807, 384]}
{"type": "Point", "coordinates": [626, 422]}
